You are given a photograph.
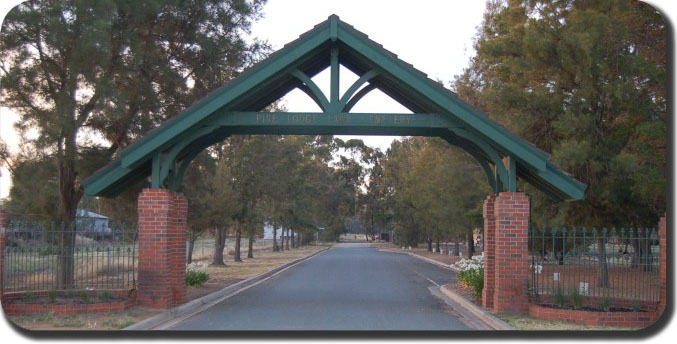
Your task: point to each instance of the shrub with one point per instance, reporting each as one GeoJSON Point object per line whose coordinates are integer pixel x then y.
{"type": "Point", "coordinates": [636, 306]}
{"type": "Point", "coordinates": [51, 295]}
{"type": "Point", "coordinates": [558, 298]}
{"type": "Point", "coordinates": [195, 278]}
{"type": "Point", "coordinates": [576, 299]}
{"type": "Point", "coordinates": [84, 296]}
{"type": "Point", "coordinates": [104, 296]}
{"type": "Point", "coordinates": [604, 304]}
{"type": "Point", "coordinates": [29, 296]}
{"type": "Point", "coordinates": [474, 279]}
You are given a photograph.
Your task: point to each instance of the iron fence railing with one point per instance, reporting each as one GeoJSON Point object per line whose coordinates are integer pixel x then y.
{"type": "Point", "coordinates": [87, 255]}
{"type": "Point", "coordinates": [616, 263]}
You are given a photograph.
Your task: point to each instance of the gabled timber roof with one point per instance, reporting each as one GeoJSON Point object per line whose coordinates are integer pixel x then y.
{"type": "Point", "coordinates": [272, 78]}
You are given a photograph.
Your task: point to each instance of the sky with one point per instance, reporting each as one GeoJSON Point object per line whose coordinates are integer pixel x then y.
{"type": "Point", "coordinates": [434, 36]}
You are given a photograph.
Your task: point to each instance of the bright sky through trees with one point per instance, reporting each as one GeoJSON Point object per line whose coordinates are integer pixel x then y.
{"type": "Point", "coordinates": [435, 36]}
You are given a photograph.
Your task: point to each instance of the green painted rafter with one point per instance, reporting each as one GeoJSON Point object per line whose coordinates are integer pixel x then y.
{"type": "Point", "coordinates": [166, 152]}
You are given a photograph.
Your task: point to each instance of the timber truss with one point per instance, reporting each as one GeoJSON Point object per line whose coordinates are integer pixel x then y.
{"type": "Point", "coordinates": [236, 108]}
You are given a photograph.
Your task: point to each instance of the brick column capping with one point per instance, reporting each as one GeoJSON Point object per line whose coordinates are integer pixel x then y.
{"type": "Point", "coordinates": [511, 212]}
{"type": "Point", "coordinates": [663, 265]}
{"type": "Point", "coordinates": [3, 223]}
{"type": "Point", "coordinates": [162, 258]}
{"type": "Point", "coordinates": [488, 248]}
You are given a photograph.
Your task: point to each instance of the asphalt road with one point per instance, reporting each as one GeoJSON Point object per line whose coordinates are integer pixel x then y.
{"type": "Point", "coordinates": [345, 288]}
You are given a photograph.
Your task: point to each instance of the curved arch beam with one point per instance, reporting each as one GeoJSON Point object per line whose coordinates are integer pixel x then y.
{"type": "Point", "coordinates": [168, 163]}
{"type": "Point", "coordinates": [196, 148]}
{"type": "Point", "coordinates": [312, 90]}
{"type": "Point", "coordinates": [312, 96]}
{"type": "Point", "coordinates": [363, 92]}
{"type": "Point", "coordinates": [355, 86]}
{"type": "Point", "coordinates": [491, 178]}
{"type": "Point", "coordinates": [491, 153]}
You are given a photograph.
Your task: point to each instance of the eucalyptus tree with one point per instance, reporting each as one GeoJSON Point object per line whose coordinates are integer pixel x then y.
{"type": "Point", "coordinates": [113, 70]}
{"type": "Point", "coordinates": [585, 81]}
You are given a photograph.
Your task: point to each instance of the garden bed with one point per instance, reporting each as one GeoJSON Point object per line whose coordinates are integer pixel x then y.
{"type": "Point", "coordinates": [615, 316]}
{"type": "Point", "coordinates": [68, 302]}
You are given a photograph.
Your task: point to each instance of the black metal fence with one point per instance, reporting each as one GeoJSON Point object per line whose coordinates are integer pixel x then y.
{"type": "Point", "coordinates": [612, 263]}
{"type": "Point", "coordinates": [85, 256]}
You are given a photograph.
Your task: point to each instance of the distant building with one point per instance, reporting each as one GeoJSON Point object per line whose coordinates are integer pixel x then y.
{"type": "Point", "coordinates": [90, 221]}
{"type": "Point", "coordinates": [268, 232]}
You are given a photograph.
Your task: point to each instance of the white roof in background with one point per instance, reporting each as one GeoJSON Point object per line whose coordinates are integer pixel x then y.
{"type": "Point", "coordinates": [89, 214]}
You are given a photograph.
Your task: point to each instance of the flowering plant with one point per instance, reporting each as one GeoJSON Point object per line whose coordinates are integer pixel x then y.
{"type": "Point", "coordinates": [474, 263]}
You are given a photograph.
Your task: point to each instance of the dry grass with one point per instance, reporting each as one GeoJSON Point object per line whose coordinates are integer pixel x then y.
{"type": "Point", "coordinates": [264, 260]}
{"type": "Point", "coordinates": [624, 281]}
{"type": "Point", "coordinates": [422, 251]}
{"type": "Point", "coordinates": [91, 270]}
{"type": "Point", "coordinates": [86, 322]}
{"type": "Point", "coordinates": [525, 323]}
{"type": "Point", "coordinates": [220, 277]}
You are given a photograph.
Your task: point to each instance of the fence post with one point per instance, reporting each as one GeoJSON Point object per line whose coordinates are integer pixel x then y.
{"type": "Point", "coordinates": [488, 248]}
{"type": "Point", "coordinates": [162, 231]}
{"type": "Point", "coordinates": [663, 265]}
{"type": "Point", "coordinates": [3, 222]}
{"type": "Point", "coordinates": [511, 260]}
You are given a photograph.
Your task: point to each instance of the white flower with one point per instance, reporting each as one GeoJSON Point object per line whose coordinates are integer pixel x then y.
{"type": "Point", "coordinates": [474, 263]}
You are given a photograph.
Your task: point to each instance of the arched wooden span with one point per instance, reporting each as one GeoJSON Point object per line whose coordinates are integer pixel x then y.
{"type": "Point", "coordinates": [235, 108]}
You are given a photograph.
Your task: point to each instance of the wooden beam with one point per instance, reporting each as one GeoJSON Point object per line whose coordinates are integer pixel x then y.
{"type": "Point", "coordinates": [353, 88]}
{"type": "Point", "coordinates": [334, 92]}
{"type": "Point", "coordinates": [315, 92]}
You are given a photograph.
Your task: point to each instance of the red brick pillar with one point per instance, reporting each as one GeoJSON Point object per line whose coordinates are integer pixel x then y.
{"type": "Point", "coordinates": [178, 248]}
{"type": "Point", "coordinates": [663, 266]}
{"type": "Point", "coordinates": [162, 269]}
{"type": "Point", "coordinates": [3, 222]}
{"type": "Point", "coordinates": [512, 213]}
{"type": "Point", "coordinates": [488, 248]}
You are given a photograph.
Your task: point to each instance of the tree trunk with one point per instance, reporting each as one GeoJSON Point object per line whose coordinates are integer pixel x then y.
{"type": "Point", "coordinates": [66, 268]}
{"type": "Point", "coordinates": [471, 245]}
{"type": "Point", "coordinates": [69, 196]}
{"type": "Point", "coordinates": [275, 248]}
{"type": "Point", "coordinates": [282, 240]}
{"type": "Point", "coordinates": [437, 246]}
{"type": "Point", "coordinates": [238, 240]}
{"type": "Point", "coordinates": [457, 248]}
{"type": "Point", "coordinates": [250, 251]}
{"type": "Point", "coordinates": [189, 251]}
{"type": "Point", "coordinates": [430, 244]}
{"type": "Point", "coordinates": [293, 242]}
{"type": "Point", "coordinates": [219, 246]}
{"type": "Point", "coordinates": [603, 270]}
{"type": "Point", "coordinates": [286, 239]}
{"type": "Point", "coordinates": [192, 237]}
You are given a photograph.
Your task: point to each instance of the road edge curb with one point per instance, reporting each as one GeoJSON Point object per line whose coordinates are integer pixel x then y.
{"type": "Point", "coordinates": [200, 304]}
{"type": "Point", "coordinates": [486, 317]}
{"type": "Point", "coordinates": [432, 261]}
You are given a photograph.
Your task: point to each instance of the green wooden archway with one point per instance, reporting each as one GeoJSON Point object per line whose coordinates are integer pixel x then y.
{"type": "Point", "coordinates": [235, 108]}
